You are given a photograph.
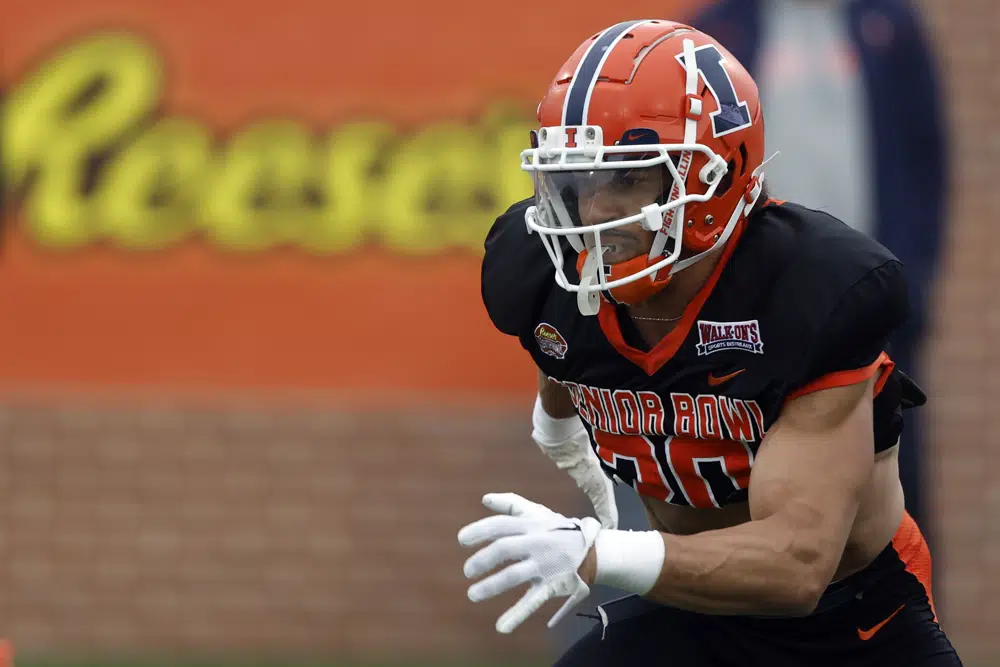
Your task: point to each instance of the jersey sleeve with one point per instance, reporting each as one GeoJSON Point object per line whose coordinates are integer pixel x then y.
{"type": "Point", "coordinates": [517, 275]}
{"type": "Point", "coordinates": [850, 344]}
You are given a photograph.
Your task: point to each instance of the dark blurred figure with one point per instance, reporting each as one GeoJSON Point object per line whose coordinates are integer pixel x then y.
{"type": "Point", "coordinates": [851, 99]}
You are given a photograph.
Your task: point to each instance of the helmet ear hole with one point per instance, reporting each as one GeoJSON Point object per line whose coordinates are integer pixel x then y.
{"type": "Point", "coordinates": [744, 158]}
{"type": "Point", "coordinates": [727, 180]}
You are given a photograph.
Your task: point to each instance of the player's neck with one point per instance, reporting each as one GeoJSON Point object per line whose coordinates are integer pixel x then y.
{"type": "Point", "coordinates": [670, 302]}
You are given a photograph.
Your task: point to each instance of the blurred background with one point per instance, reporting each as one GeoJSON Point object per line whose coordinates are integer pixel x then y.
{"type": "Point", "coordinates": [248, 390]}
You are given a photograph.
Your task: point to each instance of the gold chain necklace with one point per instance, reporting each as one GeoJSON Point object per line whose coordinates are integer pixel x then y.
{"type": "Point", "coordinates": [657, 319]}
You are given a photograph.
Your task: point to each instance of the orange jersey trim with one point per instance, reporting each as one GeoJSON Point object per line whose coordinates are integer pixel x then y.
{"type": "Point", "coordinates": [883, 365]}
{"type": "Point", "coordinates": [912, 548]}
{"type": "Point", "coordinates": [664, 351]}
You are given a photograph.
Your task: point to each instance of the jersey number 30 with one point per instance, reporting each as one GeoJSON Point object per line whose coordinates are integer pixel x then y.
{"type": "Point", "coordinates": [678, 470]}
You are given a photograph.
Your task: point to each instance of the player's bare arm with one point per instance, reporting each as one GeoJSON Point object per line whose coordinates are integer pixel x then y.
{"type": "Point", "coordinates": [781, 561]}
{"type": "Point", "coordinates": [555, 398]}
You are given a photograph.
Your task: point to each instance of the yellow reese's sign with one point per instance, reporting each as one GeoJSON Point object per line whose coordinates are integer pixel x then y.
{"type": "Point", "coordinates": [94, 162]}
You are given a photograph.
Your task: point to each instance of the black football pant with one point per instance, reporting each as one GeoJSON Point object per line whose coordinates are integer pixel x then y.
{"type": "Point", "coordinates": [882, 616]}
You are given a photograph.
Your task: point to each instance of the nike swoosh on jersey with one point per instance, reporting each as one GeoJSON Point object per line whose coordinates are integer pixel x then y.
{"type": "Point", "coordinates": [716, 381]}
{"type": "Point", "coordinates": [865, 635]}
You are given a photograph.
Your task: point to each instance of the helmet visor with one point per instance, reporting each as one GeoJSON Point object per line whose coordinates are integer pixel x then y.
{"type": "Point", "coordinates": [602, 207]}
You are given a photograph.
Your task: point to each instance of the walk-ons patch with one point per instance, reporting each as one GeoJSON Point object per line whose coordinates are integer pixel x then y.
{"type": "Point", "coordinates": [718, 336]}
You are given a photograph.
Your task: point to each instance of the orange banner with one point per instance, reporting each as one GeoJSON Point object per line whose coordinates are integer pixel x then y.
{"type": "Point", "coordinates": [266, 195]}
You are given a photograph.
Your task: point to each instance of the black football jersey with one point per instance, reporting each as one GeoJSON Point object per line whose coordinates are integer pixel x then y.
{"type": "Point", "coordinates": [798, 302]}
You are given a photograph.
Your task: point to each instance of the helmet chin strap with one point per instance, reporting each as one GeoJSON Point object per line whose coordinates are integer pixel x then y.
{"type": "Point", "coordinates": [674, 218]}
{"type": "Point", "coordinates": [587, 301]}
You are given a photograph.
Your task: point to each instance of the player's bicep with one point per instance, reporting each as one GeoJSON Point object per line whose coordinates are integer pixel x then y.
{"type": "Point", "coordinates": [811, 469]}
{"type": "Point", "coordinates": [556, 399]}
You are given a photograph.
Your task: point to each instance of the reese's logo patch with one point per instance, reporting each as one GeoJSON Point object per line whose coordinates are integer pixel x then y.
{"type": "Point", "coordinates": [550, 341]}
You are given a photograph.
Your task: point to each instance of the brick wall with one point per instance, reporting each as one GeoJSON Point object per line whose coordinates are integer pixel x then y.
{"type": "Point", "coordinates": [248, 531]}
{"type": "Point", "coordinates": [335, 532]}
{"type": "Point", "coordinates": [963, 360]}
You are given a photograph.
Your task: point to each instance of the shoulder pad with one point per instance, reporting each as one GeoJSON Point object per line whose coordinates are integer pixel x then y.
{"type": "Point", "coordinates": [837, 295]}
{"type": "Point", "coordinates": [517, 275]}
{"type": "Point", "coordinates": [828, 260]}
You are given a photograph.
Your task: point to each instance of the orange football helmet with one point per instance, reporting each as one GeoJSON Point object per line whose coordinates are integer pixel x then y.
{"type": "Point", "coordinates": [650, 97]}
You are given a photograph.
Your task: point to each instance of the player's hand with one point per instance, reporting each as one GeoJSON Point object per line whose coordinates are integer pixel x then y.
{"type": "Point", "coordinates": [577, 457]}
{"type": "Point", "coordinates": [547, 550]}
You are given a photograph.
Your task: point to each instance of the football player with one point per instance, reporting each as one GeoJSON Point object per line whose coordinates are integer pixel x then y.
{"type": "Point", "coordinates": [722, 353]}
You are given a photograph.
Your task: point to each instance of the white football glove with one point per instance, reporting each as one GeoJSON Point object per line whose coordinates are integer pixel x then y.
{"type": "Point", "coordinates": [548, 549]}
{"type": "Point", "coordinates": [576, 456]}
